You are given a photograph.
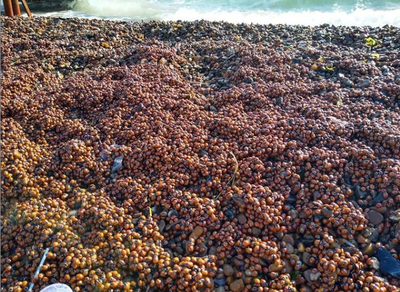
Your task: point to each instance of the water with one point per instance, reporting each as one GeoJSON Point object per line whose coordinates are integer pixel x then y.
{"type": "Point", "coordinates": [304, 12]}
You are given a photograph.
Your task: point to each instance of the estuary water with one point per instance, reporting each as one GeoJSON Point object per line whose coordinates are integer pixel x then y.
{"type": "Point", "coordinates": [303, 12]}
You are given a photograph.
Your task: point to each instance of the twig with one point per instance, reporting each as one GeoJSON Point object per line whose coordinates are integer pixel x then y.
{"type": "Point", "coordinates": [232, 180]}
{"type": "Point", "coordinates": [38, 268]}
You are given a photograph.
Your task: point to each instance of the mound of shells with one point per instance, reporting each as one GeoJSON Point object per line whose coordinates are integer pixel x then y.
{"type": "Point", "coordinates": [199, 156]}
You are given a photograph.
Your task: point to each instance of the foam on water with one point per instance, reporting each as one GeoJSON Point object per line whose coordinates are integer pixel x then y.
{"type": "Point", "coordinates": [359, 17]}
{"type": "Point", "coordinates": [301, 12]}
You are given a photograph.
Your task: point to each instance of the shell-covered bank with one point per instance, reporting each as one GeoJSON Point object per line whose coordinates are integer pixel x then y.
{"type": "Point", "coordinates": [199, 156]}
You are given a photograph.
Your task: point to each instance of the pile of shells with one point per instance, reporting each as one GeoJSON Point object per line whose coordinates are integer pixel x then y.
{"type": "Point", "coordinates": [199, 156]}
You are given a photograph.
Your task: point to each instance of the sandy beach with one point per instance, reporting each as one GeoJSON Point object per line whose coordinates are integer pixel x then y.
{"type": "Point", "coordinates": [199, 156]}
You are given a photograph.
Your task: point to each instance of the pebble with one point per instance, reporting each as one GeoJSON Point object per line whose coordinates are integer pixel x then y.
{"type": "Point", "coordinates": [288, 239]}
{"type": "Point", "coordinates": [364, 83]}
{"type": "Point", "coordinates": [213, 109]}
{"type": "Point", "coordinates": [375, 217]}
{"type": "Point", "coordinates": [326, 212]}
{"type": "Point", "coordinates": [237, 262]}
{"type": "Point", "coordinates": [228, 270]}
{"type": "Point", "coordinates": [307, 275]}
{"type": "Point", "coordinates": [306, 258]}
{"type": "Point", "coordinates": [220, 282]}
{"type": "Point", "coordinates": [239, 202]}
{"type": "Point", "coordinates": [237, 285]}
{"type": "Point", "coordinates": [197, 232]}
{"type": "Point", "coordinates": [315, 276]}
{"type": "Point", "coordinates": [162, 61]}
{"type": "Point", "coordinates": [362, 240]}
{"type": "Point", "coordinates": [275, 268]}
{"type": "Point", "coordinates": [381, 210]}
{"type": "Point", "coordinates": [256, 231]}
{"type": "Point", "coordinates": [161, 225]}
{"type": "Point", "coordinates": [289, 248]}
{"type": "Point", "coordinates": [242, 218]}
{"type": "Point", "coordinates": [369, 249]}
{"type": "Point", "coordinates": [375, 263]}
{"type": "Point", "coordinates": [300, 247]}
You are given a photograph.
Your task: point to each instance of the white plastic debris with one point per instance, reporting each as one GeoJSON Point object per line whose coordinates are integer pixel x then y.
{"type": "Point", "coordinates": [117, 164]}
{"type": "Point", "coordinates": [57, 288]}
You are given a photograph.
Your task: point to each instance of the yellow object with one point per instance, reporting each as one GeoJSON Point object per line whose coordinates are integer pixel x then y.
{"type": "Point", "coordinates": [329, 68]}
{"type": "Point", "coordinates": [314, 67]}
{"type": "Point", "coordinates": [321, 59]}
{"type": "Point", "coordinates": [375, 56]}
{"type": "Point", "coordinates": [370, 42]}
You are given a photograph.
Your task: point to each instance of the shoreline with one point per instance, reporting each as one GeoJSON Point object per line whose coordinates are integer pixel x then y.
{"type": "Point", "coordinates": [200, 155]}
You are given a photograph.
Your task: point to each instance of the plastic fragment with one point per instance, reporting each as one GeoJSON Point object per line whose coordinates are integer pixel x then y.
{"type": "Point", "coordinates": [388, 264]}
{"type": "Point", "coordinates": [117, 164]}
{"type": "Point", "coordinates": [375, 56]}
{"type": "Point", "coordinates": [370, 42]}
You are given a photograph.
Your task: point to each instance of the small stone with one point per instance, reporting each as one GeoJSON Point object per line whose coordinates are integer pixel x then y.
{"type": "Point", "coordinates": [326, 212]}
{"type": "Point", "coordinates": [220, 282]}
{"type": "Point", "coordinates": [295, 257]}
{"type": "Point", "coordinates": [310, 276]}
{"type": "Point", "coordinates": [72, 212]}
{"type": "Point", "coordinates": [237, 286]}
{"type": "Point", "coordinates": [173, 213]}
{"type": "Point", "coordinates": [239, 202]}
{"type": "Point", "coordinates": [248, 273]}
{"type": "Point", "coordinates": [375, 235]}
{"type": "Point", "coordinates": [290, 248]}
{"type": "Point", "coordinates": [395, 217]}
{"type": "Point", "coordinates": [213, 109]}
{"type": "Point", "coordinates": [375, 217]}
{"type": "Point", "coordinates": [306, 258]}
{"type": "Point", "coordinates": [302, 214]}
{"type": "Point", "coordinates": [294, 214]}
{"type": "Point", "coordinates": [242, 219]}
{"type": "Point", "coordinates": [237, 262]}
{"type": "Point", "coordinates": [364, 83]}
{"type": "Point", "coordinates": [315, 276]}
{"type": "Point", "coordinates": [367, 232]}
{"type": "Point", "coordinates": [248, 80]}
{"type": "Point", "coordinates": [202, 249]}
{"type": "Point", "coordinates": [369, 249]}
{"type": "Point", "coordinates": [275, 268]}
{"type": "Point", "coordinates": [307, 275]}
{"type": "Point", "coordinates": [300, 247]}
{"type": "Point", "coordinates": [306, 288]}
{"type": "Point", "coordinates": [375, 263]}
{"type": "Point", "coordinates": [213, 250]}
{"type": "Point", "coordinates": [279, 235]}
{"type": "Point", "coordinates": [256, 231]}
{"type": "Point", "coordinates": [278, 101]}
{"type": "Point", "coordinates": [162, 61]}
{"type": "Point", "coordinates": [161, 225]}
{"type": "Point", "coordinates": [228, 270]}
{"type": "Point", "coordinates": [288, 239]}
{"type": "Point", "coordinates": [202, 153]}
{"type": "Point", "coordinates": [288, 266]}
{"type": "Point", "coordinates": [381, 210]}
{"type": "Point", "coordinates": [220, 289]}
{"type": "Point", "coordinates": [362, 240]}
{"type": "Point", "coordinates": [198, 231]}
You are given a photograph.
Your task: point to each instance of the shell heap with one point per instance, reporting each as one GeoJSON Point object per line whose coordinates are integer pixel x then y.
{"type": "Point", "coordinates": [199, 156]}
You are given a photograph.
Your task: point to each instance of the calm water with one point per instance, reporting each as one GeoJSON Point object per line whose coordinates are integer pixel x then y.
{"type": "Point", "coordinates": [307, 12]}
